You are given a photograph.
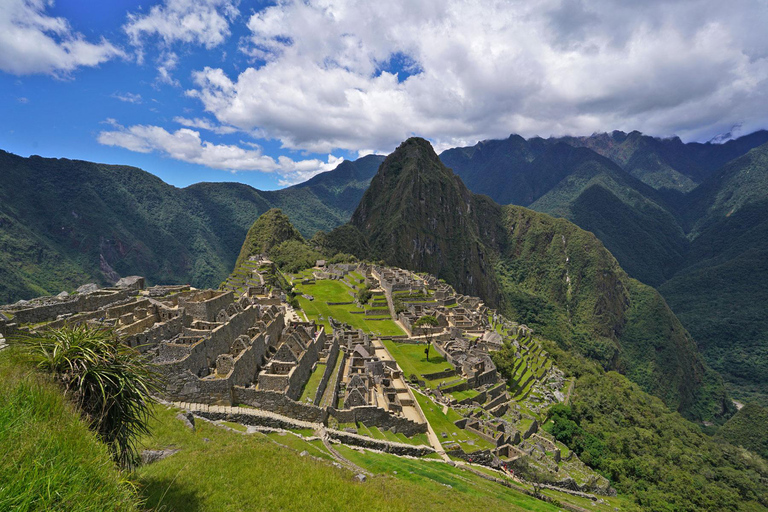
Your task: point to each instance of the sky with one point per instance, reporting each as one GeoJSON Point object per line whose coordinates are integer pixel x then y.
{"type": "Point", "coordinates": [272, 93]}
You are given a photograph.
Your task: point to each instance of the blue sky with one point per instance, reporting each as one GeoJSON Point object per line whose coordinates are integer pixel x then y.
{"type": "Point", "coordinates": [270, 94]}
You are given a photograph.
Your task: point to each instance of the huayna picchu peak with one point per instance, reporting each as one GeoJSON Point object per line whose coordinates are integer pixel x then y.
{"type": "Point", "coordinates": [547, 272]}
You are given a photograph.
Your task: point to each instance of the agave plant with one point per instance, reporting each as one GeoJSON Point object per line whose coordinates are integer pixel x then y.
{"type": "Point", "coordinates": [111, 383]}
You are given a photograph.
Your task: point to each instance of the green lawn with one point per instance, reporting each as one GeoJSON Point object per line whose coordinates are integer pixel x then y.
{"type": "Point", "coordinates": [219, 470]}
{"type": "Point", "coordinates": [412, 359]}
{"type": "Point", "coordinates": [457, 488]}
{"type": "Point", "coordinates": [440, 422]}
{"type": "Point", "coordinates": [299, 444]}
{"type": "Point", "coordinates": [461, 395]}
{"type": "Point", "coordinates": [336, 291]}
{"type": "Point", "coordinates": [310, 388]}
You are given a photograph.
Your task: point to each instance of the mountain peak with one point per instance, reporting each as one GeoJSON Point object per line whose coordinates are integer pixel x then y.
{"type": "Point", "coordinates": [271, 228]}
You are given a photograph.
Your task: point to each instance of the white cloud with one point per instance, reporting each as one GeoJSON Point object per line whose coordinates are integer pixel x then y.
{"type": "Point", "coordinates": [128, 97]}
{"type": "Point", "coordinates": [166, 63]}
{"type": "Point", "coordinates": [204, 124]}
{"type": "Point", "coordinates": [482, 69]}
{"type": "Point", "coordinates": [32, 42]}
{"type": "Point", "coordinates": [186, 145]}
{"type": "Point", "coordinates": [203, 22]}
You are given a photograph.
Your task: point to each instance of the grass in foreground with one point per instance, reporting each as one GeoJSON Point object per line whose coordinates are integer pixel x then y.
{"type": "Point", "coordinates": [455, 484]}
{"type": "Point", "coordinates": [234, 471]}
{"type": "Point", "coordinates": [50, 459]}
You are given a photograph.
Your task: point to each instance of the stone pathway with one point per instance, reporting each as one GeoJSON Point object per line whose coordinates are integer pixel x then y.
{"type": "Point", "coordinates": [3, 344]}
{"type": "Point", "coordinates": [255, 414]}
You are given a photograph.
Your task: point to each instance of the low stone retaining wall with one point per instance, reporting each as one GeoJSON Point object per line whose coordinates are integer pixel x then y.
{"type": "Point", "coordinates": [439, 375]}
{"type": "Point", "coordinates": [380, 444]}
{"type": "Point", "coordinates": [372, 416]}
{"type": "Point", "coordinates": [279, 403]}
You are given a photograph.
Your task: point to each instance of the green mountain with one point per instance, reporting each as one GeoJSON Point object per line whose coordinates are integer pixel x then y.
{"type": "Point", "coordinates": [417, 214]}
{"type": "Point", "coordinates": [720, 292]}
{"type": "Point", "coordinates": [270, 229]}
{"type": "Point", "coordinates": [747, 429]}
{"type": "Point", "coordinates": [67, 222]}
{"type": "Point", "coordinates": [666, 163]}
{"type": "Point", "coordinates": [544, 271]}
{"type": "Point", "coordinates": [630, 218]}
{"type": "Point", "coordinates": [705, 249]}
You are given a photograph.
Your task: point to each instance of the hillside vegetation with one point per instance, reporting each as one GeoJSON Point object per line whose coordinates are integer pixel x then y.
{"type": "Point", "coordinates": [747, 429]}
{"type": "Point", "coordinates": [690, 219]}
{"type": "Point", "coordinates": [67, 222]}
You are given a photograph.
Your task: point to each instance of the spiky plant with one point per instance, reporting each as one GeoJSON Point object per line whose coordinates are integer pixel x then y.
{"type": "Point", "coordinates": [110, 382]}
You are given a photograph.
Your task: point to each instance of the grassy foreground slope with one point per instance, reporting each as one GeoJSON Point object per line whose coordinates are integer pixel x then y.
{"type": "Point", "coordinates": [217, 469]}
{"type": "Point", "coordinates": [50, 459]}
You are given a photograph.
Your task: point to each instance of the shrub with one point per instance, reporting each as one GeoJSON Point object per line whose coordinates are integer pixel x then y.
{"type": "Point", "coordinates": [110, 382]}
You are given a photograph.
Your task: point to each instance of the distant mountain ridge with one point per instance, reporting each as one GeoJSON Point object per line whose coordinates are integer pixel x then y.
{"type": "Point", "coordinates": [66, 222]}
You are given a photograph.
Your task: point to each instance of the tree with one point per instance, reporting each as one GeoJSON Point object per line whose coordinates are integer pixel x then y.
{"type": "Point", "coordinates": [111, 383]}
{"type": "Point", "coordinates": [427, 321]}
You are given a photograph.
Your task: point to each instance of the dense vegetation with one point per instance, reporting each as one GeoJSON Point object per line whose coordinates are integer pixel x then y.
{"type": "Point", "coordinates": [691, 219]}
{"type": "Point", "coordinates": [661, 459]}
{"type": "Point", "coordinates": [747, 428]}
{"type": "Point", "coordinates": [65, 222]}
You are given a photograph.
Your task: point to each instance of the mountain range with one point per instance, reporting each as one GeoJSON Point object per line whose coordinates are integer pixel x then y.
{"type": "Point", "coordinates": [686, 218]}
{"type": "Point", "coordinates": [67, 222]}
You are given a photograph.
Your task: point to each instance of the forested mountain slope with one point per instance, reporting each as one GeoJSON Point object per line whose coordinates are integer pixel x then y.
{"type": "Point", "coordinates": [67, 222]}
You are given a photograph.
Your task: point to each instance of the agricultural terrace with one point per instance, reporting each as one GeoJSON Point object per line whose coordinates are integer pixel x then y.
{"type": "Point", "coordinates": [448, 433]}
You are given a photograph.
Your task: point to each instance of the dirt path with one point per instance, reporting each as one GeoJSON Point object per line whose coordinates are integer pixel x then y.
{"type": "Point", "coordinates": [336, 455]}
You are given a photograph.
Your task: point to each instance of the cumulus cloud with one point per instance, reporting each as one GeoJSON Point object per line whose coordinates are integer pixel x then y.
{"type": "Point", "coordinates": [32, 42]}
{"type": "Point", "coordinates": [186, 145]}
{"type": "Point", "coordinates": [354, 74]}
{"type": "Point", "coordinates": [203, 22]}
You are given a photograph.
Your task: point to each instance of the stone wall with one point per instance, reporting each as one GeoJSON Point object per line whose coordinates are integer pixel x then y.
{"type": "Point", "coordinates": [302, 371]}
{"type": "Point", "coordinates": [380, 444]}
{"type": "Point", "coordinates": [372, 416]}
{"type": "Point", "coordinates": [279, 404]}
{"type": "Point", "coordinates": [79, 304]}
{"type": "Point", "coordinates": [206, 305]}
{"type": "Point", "coordinates": [440, 375]}
{"type": "Point", "coordinates": [183, 365]}
{"type": "Point", "coordinates": [330, 364]}
{"type": "Point", "coordinates": [502, 398]}
{"type": "Point", "coordinates": [158, 332]}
